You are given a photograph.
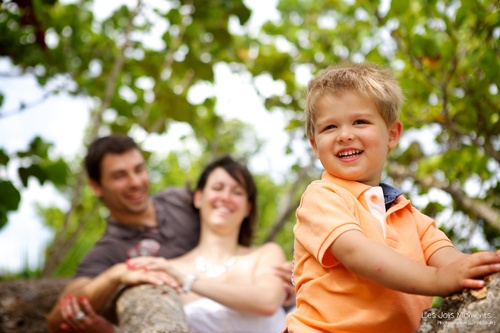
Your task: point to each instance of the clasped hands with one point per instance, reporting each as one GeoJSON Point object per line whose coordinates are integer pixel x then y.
{"type": "Point", "coordinates": [154, 270]}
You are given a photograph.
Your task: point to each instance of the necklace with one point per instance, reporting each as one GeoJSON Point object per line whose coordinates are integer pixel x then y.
{"type": "Point", "coordinates": [212, 271]}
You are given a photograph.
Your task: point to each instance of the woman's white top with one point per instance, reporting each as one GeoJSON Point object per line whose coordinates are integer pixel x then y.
{"type": "Point", "coordinates": [207, 316]}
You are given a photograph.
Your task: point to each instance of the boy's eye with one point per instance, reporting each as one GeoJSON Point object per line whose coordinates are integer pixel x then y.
{"type": "Point", "coordinates": [329, 127]}
{"type": "Point", "coordinates": [360, 121]}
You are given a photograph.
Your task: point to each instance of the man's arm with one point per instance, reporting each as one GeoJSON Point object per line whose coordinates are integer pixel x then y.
{"type": "Point", "coordinates": [99, 290]}
{"type": "Point", "coordinates": [72, 309]}
{"type": "Point", "coordinates": [387, 267]}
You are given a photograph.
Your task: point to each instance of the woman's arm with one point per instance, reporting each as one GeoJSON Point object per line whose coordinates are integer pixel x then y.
{"type": "Point", "coordinates": [387, 267]}
{"type": "Point", "coordinates": [263, 295]}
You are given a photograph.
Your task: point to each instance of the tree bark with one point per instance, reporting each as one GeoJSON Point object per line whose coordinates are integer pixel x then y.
{"type": "Point", "coordinates": [147, 308]}
{"type": "Point", "coordinates": [25, 304]}
{"type": "Point", "coordinates": [471, 311]}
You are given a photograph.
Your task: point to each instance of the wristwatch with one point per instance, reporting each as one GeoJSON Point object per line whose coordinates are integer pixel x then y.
{"type": "Point", "coordinates": [188, 282]}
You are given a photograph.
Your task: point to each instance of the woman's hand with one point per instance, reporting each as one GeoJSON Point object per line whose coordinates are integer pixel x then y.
{"type": "Point", "coordinates": [285, 271]}
{"type": "Point", "coordinates": [157, 267]}
{"type": "Point", "coordinates": [80, 317]}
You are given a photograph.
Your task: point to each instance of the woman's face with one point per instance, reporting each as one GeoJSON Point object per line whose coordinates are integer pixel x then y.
{"type": "Point", "coordinates": [223, 203]}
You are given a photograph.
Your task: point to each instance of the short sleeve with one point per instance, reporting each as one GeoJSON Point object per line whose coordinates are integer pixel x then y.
{"type": "Point", "coordinates": [431, 237]}
{"type": "Point", "coordinates": [105, 254]}
{"type": "Point", "coordinates": [322, 216]}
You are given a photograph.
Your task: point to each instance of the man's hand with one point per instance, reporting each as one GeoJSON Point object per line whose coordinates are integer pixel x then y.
{"type": "Point", "coordinates": [80, 317]}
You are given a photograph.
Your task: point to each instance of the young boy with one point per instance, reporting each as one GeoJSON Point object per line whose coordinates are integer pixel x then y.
{"type": "Point", "coordinates": [365, 260]}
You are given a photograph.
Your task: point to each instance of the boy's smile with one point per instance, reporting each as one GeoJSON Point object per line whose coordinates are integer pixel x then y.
{"type": "Point", "coordinates": [351, 139]}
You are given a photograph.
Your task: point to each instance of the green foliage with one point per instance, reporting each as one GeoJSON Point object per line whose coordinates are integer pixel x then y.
{"type": "Point", "coordinates": [443, 53]}
{"type": "Point", "coordinates": [9, 200]}
{"type": "Point", "coordinates": [34, 162]}
{"type": "Point", "coordinates": [88, 222]}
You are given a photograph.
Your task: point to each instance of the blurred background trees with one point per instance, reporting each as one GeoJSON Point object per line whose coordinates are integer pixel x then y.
{"type": "Point", "coordinates": [444, 53]}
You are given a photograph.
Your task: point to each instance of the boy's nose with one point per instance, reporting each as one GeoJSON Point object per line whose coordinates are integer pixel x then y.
{"type": "Point", "coordinates": [345, 135]}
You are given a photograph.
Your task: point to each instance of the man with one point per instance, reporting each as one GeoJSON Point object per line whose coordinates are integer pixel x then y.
{"type": "Point", "coordinates": [163, 225]}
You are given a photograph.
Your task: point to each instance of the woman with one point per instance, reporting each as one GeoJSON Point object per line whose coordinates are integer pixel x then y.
{"type": "Point", "coordinates": [228, 285]}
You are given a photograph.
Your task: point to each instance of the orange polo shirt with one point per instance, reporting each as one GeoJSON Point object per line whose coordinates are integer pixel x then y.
{"type": "Point", "coordinates": [329, 297]}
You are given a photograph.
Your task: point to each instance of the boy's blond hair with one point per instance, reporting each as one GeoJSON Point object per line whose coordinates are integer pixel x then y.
{"type": "Point", "coordinates": [366, 79]}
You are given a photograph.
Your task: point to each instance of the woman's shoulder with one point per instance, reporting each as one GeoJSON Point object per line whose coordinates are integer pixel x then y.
{"type": "Point", "coordinates": [269, 249]}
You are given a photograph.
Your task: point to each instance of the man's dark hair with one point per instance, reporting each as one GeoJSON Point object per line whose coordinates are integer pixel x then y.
{"type": "Point", "coordinates": [111, 144]}
{"type": "Point", "coordinates": [239, 172]}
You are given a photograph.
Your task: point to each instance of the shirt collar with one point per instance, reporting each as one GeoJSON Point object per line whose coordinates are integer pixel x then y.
{"type": "Point", "coordinates": [123, 231]}
{"type": "Point", "coordinates": [356, 188]}
{"type": "Point", "coordinates": [390, 194]}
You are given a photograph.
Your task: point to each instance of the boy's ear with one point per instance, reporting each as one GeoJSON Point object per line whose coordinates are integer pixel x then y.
{"type": "Point", "coordinates": [395, 131]}
{"type": "Point", "coordinates": [313, 144]}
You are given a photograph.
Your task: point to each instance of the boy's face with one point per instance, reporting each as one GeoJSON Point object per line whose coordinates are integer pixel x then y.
{"type": "Point", "coordinates": [124, 186]}
{"type": "Point", "coordinates": [351, 138]}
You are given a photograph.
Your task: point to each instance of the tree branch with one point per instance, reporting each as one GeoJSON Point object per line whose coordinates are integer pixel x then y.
{"type": "Point", "coordinates": [62, 241]}
{"type": "Point", "coordinates": [474, 207]}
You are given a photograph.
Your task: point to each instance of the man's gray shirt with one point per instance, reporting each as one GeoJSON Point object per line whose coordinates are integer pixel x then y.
{"type": "Point", "coordinates": [178, 232]}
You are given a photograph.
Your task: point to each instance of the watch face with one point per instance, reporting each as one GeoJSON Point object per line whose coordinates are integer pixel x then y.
{"type": "Point", "coordinates": [146, 247]}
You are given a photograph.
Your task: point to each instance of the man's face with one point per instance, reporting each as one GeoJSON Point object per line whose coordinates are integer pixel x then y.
{"type": "Point", "coordinates": [124, 186]}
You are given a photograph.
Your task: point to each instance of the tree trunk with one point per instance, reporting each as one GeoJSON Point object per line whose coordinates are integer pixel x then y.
{"type": "Point", "coordinates": [25, 304]}
{"type": "Point", "coordinates": [141, 310]}
{"type": "Point", "coordinates": [472, 311]}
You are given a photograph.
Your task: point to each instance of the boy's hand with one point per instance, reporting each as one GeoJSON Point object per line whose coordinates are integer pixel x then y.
{"type": "Point", "coordinates": [467, 272]}
{"type": "Point", "coordinates": [448, 270]}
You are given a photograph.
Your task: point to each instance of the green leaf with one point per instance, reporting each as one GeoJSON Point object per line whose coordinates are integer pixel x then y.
{"type": "Point", "coordinates": [399, 8]}
{"type": "Point", "coordinates": [57, 172]}
{"type": "Point", "coordinates": [9, 200]}
{"type": "Point", "coordinates": [33, 170]}
{"type": "Point", "coordinates": [4, 158]}
{"type": "Point", "coordinates": [37, 147]}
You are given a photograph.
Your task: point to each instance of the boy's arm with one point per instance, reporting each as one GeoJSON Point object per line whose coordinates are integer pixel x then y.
{"type": "Point", "coordinates": [385, 266]}
{"type": "Point", "coordinates": [445, 256]}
